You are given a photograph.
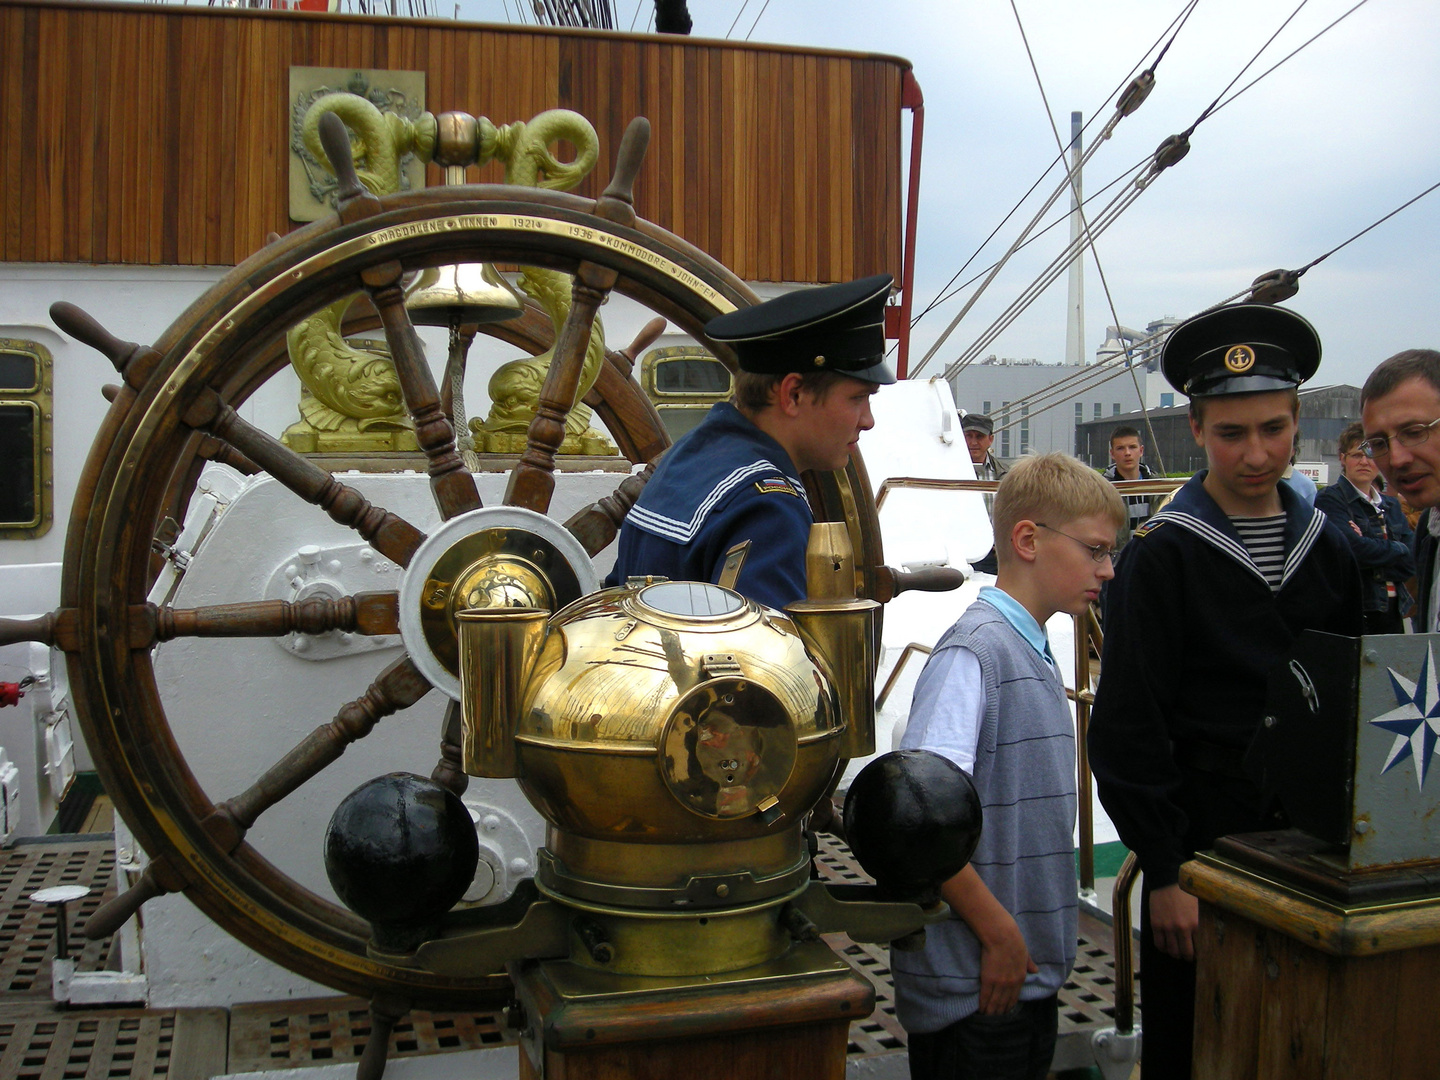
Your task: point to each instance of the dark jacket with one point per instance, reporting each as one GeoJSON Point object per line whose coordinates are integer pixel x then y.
{"type": "Point", "coordinates": [1424, 572]}
{"type": "Point", "coordinates": [1384, 546]}
{"type": "Point", "coordinates": [1191, 632]}
{"type": "Point", "coordinates": [1137, 507]}
{"type": "Point", "coordinates": [724, 482]}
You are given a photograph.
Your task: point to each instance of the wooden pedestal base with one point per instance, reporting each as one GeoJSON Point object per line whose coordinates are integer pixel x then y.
{"type": "Point", "coordinates": [1291, 987]}
{"type": "Point", "coordinates": [789, 1018]}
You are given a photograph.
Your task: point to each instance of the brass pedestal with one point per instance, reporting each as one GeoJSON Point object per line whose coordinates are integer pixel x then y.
{"type": "Point", "coordinates": [786, 1018]}
{"type": "Point", "coordinates": [1303, 978]}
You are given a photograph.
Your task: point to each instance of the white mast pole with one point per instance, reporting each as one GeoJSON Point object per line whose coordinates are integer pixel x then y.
{"type": "Point", "coordinates": [1075, 309]}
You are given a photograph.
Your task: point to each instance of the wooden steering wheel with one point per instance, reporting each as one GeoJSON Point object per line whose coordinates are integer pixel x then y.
{"type": "Point", "coordinates": [177, 408]}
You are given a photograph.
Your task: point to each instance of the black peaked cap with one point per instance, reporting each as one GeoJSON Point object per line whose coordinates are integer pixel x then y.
{"type": "Point", "coordinates": [1240, 349]}
{"type": "Point", "coordinates": [837, 328]}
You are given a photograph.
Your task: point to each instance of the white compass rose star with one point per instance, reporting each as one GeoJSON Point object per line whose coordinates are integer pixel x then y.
{"type": "Point", "coordinates": [1415, 721]}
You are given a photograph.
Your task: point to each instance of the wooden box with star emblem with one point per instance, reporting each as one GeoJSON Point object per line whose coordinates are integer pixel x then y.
{"type": "Point", "coordinates": [1347, 745]}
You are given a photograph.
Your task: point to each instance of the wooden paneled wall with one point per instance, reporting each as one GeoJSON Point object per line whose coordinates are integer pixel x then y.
{"type": "Point", "coordinates": [158, 135]}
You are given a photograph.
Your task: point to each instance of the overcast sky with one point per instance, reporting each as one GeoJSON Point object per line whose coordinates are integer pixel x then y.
{"type": "Point", "coordinates": [1337, 137]}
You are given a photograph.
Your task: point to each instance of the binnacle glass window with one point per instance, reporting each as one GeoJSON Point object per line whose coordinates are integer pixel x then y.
{"type": "Point", "coordinates": [692, 375]}
{"type": "Point", "coordinates": [25, 439]}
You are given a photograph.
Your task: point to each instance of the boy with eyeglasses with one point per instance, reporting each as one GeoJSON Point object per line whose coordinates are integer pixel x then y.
{"type": "Point", "coordinates": [1400, 408]}
{"type": "Point", "coordinates": [980, 999]}
{"type": "Point", "coordinates": [1209, 596]}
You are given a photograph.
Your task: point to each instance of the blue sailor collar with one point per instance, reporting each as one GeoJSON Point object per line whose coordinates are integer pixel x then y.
{"type": "Point", "coordinates": [725, 452]}
{"type": "Point", "coordinates": [1194, 509]}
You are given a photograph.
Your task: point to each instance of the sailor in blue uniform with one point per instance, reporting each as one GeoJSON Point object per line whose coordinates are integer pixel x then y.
{"type": "Point", "coordinates": [809, 362]}
{"type": "Point", "coordinates": [1207, 597]}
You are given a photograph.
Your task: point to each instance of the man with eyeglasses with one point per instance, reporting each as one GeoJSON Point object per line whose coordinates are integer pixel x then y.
{"type": "Point", "coordinates": [1400, 408]}
{"type": "Point", "coordinates": [1208, 596]}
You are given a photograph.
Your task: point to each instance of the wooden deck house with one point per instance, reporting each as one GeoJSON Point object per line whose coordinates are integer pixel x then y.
{"type": "Point", "coordinates": [153, 135]}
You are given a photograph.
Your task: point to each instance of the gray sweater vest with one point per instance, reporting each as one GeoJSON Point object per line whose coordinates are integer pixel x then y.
{"type": "Point", "coordinates": [1025, 774]}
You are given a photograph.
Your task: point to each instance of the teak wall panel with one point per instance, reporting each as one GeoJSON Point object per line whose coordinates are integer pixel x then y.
{"type": "Point", "coordinates": [156, 136]}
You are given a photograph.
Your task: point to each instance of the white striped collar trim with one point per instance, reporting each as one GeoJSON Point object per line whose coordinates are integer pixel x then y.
{"type": "Point", "coordinates": [683, 532]}
{"type": "Point", "coordinates": [1304, 544]}
{"type": "Point", "coordinates": [1230, 546]}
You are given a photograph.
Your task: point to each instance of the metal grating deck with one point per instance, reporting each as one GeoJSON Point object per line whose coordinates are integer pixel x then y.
{"type": "Point", "coordinates": [27, 930]}
{"type": "Point", "coordinates": [321, 1031]}
{"type": "Point", "coordinates": [38, 1041]}
{"type": "Point", "coordinates": [1087, 1000]}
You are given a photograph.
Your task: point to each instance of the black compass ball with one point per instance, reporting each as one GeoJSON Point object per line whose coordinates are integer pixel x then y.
{"type": "Point", "coordinates": [400, 851]}
{"type": "Point", "coordinates": [912, 818]}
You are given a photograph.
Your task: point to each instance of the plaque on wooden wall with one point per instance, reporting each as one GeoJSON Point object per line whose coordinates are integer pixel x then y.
{"type": "Point", "coordinates": [312, 185]}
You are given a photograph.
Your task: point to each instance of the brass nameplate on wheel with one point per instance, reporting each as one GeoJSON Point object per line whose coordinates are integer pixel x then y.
{"type": "Point", "coordinates": [533, 224]}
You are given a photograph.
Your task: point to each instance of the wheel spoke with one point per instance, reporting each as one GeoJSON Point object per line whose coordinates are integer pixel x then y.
{"type": "Point", "coordinates": [454, 487]}
{"type": "Point", "coordinates": [372, 614]}
{"type": "Point", "coordinates": [57, 629]}
{"type": "Point", "coordinates": [449, 770]}
{"type": "Point", "coordinates": [626, 413]}
{"type": "Point", "coordinates": [388, 533]}
{"type": "Point", "coordinates": [599, 523]}
{"type": "Point", "coordinates": [399, 686]}
{"type": "Point", "coordinates": [532, 481]}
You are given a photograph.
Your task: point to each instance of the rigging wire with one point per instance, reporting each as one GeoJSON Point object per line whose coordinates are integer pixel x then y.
{"type": "Point", "coordinates": [1089, 376]}
{"type": "Point", "coordinates": [1296, 274]}
{"type": "Point", "coordinates": [1044, 280]}
{"type": "Point", "coordinates": [994, 272]}
{"type": "Point", "coordinates": [1135, 95]}
{"type": "Point", "coordinates": [1095, 115]}
{"type": "Point", "coordinates": [636, 15]}
{"type": "Point", "coordinates": [1030, 240]}
{"type": "Point", "coordinates": [1169, 153]}
{"type": "Point", "coordinates": [757, 20]}
{"type": "Point", "coordinates": [737, 19]}
{"type": "Point", "coordinates": [1085, 224]}
{"type": "Point", "coordinates": [1287, 57]}
{"type": "Point", "coordinates": [1205, 114]}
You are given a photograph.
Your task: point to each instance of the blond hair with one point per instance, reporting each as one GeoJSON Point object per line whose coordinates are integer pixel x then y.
{"type": "Point", "coordinates": [1052, 488]}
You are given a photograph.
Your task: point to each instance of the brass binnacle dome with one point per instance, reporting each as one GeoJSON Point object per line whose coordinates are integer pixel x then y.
{"type": "Point", "coordinates": [670, 733]}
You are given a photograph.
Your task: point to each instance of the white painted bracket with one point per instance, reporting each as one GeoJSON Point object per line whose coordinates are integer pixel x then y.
{"type": "Point", "coordinates": [1116, 1054]}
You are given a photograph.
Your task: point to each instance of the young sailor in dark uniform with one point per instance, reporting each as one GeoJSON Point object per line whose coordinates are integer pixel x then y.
{"type": "Point", "coordinates": [809, 362]}
{"type": "Point", "coordinates": [1207, 596]}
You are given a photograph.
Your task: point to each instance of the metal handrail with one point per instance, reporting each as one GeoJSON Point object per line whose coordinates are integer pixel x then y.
{"type": "Point", "coordinates": [1087, 629]}
{"type": "Point", "coordinates": [1124, 944]}
{"type": "Point", "coordinates": [1153, 486]}
{"type": "Point", "coordinates": [910, 650]}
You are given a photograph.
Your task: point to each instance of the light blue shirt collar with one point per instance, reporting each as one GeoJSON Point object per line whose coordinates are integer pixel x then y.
{"type": "Point", "coordinates": [1023, 622]}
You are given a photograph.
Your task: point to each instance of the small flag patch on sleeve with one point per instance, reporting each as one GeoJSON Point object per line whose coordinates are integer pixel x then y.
{"type": "Point", "coordinates": [776, 484]}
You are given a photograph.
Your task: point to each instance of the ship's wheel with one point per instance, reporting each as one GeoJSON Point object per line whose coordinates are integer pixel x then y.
{"type": "Point", "coordinates": [177, 407]}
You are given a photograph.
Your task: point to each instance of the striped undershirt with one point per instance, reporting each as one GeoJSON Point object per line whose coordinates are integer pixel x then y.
{"type": "Point", "coordinates": [1264, 539]}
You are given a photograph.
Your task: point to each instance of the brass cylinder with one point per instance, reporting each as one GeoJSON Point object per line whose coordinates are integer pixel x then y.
{"type": "Point", "coordinates": [498, 647]}
{"type": "Point", "coordinates": [842, 635]}
{"type": "Point", "coordinates": [829, 563]}
{"type": "Point", "coordinates": [674, 945]}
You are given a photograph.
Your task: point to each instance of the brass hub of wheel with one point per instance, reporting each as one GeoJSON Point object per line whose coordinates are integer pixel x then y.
{"type": "Point", "coordinates": [498, 556]}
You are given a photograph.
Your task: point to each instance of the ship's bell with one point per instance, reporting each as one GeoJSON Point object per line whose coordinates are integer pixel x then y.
{"type": "Point", "coordinates": [461, 295]}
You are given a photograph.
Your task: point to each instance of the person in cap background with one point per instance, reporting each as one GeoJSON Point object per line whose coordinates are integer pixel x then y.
{"type": "Point", "coordinates": [979, 432]}
{"type": "Point", "coordinates": [1380, 538]}
{"type": "Point", "coordinates": [1210, 593]}
{"type": "Point", "coordinates": [1400, 408]}
{"type": "Point", "coordinates": [809, 362]}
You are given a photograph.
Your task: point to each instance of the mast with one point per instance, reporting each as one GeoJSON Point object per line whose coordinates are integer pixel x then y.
{"type": "Point", "coordinates": [1075, 307]}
